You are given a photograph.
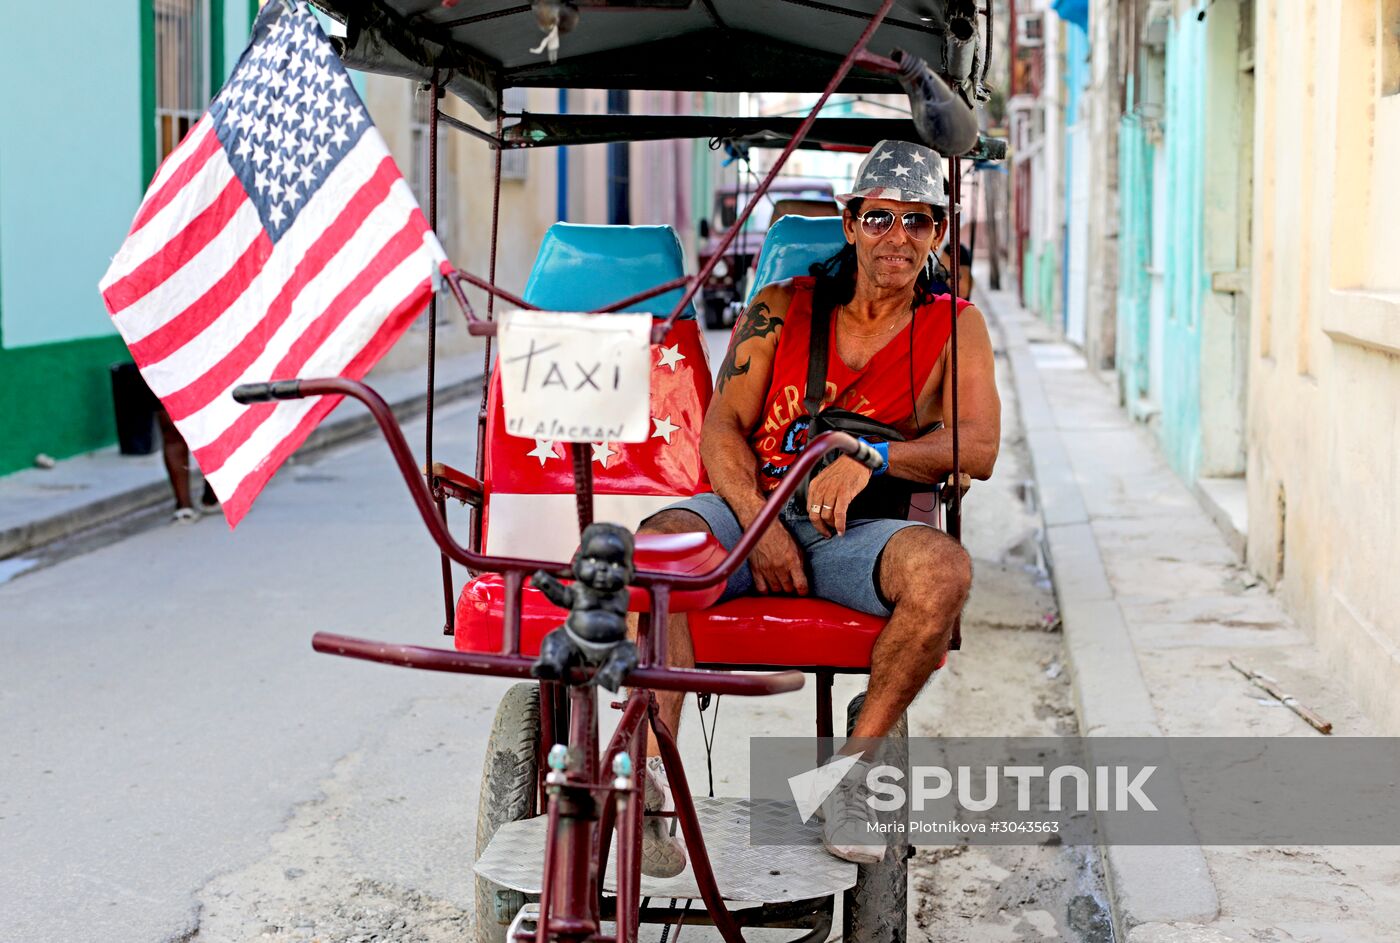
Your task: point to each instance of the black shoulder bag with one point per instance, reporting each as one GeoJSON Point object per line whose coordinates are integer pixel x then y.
{"type": "Point", "coordinates": [885, 496]}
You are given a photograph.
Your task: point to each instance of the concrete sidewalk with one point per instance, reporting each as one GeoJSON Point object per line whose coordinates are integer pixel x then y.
{"type": "Point", "coordinates": [39, 506]}
{"type": "Point", "coordinates": [1155, 602]}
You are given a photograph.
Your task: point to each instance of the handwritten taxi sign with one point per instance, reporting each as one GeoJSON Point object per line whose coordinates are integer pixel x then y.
{"type": "Point", "coordinates": [576, 377]}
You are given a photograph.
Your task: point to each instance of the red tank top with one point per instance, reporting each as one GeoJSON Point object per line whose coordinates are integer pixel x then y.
{"type": "Point", "coordinates": [880, 391]}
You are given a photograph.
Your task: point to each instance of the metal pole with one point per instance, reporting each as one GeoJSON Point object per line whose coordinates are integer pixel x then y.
{"type": "Point", "coordinates": [449, 619]}
{"type": "Point", "coordinates": [955, 515]}
{"type": "Point", "coordinates": [660, 330]}
{"type": "Point", "coordinates": [490, 316]}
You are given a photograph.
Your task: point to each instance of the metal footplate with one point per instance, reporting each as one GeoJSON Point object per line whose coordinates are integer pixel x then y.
{"type": "Point", "coordinates": [744, 872]}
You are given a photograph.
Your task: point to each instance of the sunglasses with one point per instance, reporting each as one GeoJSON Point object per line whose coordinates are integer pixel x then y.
{"type": "Point", "coordinates": [875, 223]}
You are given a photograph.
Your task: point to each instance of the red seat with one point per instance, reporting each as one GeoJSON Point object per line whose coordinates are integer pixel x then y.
{"type": "Point", "coordinates": [481, 607]}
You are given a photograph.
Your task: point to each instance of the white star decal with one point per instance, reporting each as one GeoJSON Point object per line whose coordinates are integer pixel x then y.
{"type": "Point", "coordinates": [901, 171]}
{"type": "Point", "coordinates": [884, 155]}
{"type": "Point", "coordinates": [601, 453]}
{"type": "Point", "coordinates": [543, 450]}
{"type": "Point", "coordinates": [918, 158]}
{"type": "Point", "coordinates": [670, 356]}
{"type": "Point", "coordinates": [664, 428]}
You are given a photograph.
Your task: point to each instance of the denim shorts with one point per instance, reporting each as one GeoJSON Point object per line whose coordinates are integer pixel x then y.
{"type": "Point", "coordinates": [839, 568]}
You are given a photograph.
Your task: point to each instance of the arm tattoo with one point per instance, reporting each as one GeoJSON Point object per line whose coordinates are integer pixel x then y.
{"type": "Point", "coordinates": [757, 322]}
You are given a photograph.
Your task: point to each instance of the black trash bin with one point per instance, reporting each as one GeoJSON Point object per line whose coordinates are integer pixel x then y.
{"type": "Point", "coordinates": [136, 410]}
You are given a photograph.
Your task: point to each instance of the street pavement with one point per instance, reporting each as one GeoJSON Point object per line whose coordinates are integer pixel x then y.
{"type": "Point", "coordinates": [1156, 603]}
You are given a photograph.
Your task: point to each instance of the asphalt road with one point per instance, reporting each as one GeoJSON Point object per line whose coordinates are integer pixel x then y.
{"type": "Point", "coordinates": [179, 765]}
{"type": "Point", "coordinates": [163, 712]}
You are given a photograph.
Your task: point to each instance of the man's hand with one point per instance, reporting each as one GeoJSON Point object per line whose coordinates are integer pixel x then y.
{"type": "Point", "coordinates": [776, 563]}
{"type": "Point", "coordinates": [831, 492]}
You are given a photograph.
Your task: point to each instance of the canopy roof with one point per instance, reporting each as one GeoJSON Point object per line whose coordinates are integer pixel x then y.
{"type": "Point", "coordinates": [709, 45]}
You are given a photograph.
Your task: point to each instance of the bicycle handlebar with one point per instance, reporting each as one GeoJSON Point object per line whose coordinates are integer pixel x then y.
{"type": "Point", "coordinates": [437, 527]}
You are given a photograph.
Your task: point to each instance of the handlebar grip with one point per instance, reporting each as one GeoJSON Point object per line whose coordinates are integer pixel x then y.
{"type": "Point", "coordinates": [944, 121]}
{"type": "Point", "coordinates": [867, 456]}
{"type": "Point", "coordinates": [246, 393]}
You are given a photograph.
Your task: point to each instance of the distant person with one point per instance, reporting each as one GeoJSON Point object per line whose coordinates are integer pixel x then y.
{"type": "Point", "coordinates": [945, 272]}
{"type": "Point", "coordinates": [177, 466]}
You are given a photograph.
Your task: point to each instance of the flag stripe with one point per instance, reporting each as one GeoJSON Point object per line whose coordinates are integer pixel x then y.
{"type": "Point", "coordinates": [407, 284]}
{"type": "Point", "coordinates": [404, 244]}
{"type": "Point", "coordinates": [176, 158]}
{"type": "Point", "coordinates": [150, 313]}
{"type": "Point", "coordinates": [247, 316]}
{"type": "Point", "coordinates": [179, 250]}
{"type": "Point", "coordinates": [199, 150]}
{"type": "Point", "coordinates": [237, 504]}
{"type": "Point", "coordinates": [196, 197]}
{"type": "Point", "coordinates": [178, 331]}
{"type": "Point", "coordinates": [334, 242]}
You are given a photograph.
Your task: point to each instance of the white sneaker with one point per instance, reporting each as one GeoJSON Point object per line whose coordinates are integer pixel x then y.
{"type": "Point", "coordinates": [846, 817]}
{"type": "Point", "coordinates": [663, 855]}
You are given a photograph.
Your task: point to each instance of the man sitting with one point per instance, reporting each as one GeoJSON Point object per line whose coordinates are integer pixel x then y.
{"type": "Point", "coordinates": [887, 361]}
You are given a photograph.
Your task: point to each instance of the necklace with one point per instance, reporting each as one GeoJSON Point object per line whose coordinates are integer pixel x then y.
{"type": "Point", "coordinates": [887, 330]}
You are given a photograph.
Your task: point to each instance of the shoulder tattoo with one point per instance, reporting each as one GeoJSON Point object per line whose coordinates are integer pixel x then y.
{"type": "Point", "coordinates": [756, 322]}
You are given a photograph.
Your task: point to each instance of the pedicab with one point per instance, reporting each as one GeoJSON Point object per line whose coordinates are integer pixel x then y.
{"type": "Point", "coordinates": [560, 816]}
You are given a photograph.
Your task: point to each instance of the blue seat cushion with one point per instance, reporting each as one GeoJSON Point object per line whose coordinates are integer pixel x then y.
{"type": "Point", "coordinates": [793, 244]}
{"type": "Point", "coordinates": [582, 268]}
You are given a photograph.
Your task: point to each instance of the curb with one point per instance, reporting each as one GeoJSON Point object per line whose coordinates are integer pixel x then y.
{"type": "Point", "coordinates": [1146, 885]}
{"type": "Point", "coordinates": [36, 534]}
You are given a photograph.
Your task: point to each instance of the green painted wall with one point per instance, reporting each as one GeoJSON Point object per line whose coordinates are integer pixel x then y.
{"type": "Point", "coordinates": [78, 150]}
{"type": "Point", "coordinates": [1185, 279]}
{"type": "Point", "coordinates": [56, 399]}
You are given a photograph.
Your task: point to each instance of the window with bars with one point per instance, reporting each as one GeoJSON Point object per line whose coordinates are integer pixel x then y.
{"type": "Point", "coordinates": [182, 47]}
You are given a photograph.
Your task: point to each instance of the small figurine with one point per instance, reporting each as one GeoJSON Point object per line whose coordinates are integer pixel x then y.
{"type": "Point", "coordinates": [595, 633]}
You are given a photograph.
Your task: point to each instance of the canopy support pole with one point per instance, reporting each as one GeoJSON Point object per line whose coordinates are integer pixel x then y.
{"type": "Point", "coordinates": [660, 331]}
{"type": "Point", "coordinates": [955, 253]}
{"type": "Point", "coordinates": [449, 619]}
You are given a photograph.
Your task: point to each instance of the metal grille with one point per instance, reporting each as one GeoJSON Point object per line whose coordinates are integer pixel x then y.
{"type": "Point", "coordinates": [182, 69]}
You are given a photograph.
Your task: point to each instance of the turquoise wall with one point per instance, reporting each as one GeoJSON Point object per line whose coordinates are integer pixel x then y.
{"type": "Point", "coordinates": [1040, 278]}
{"type": "Point", "coordinates": [78, 148]}
{"type": "Point", "coordinates": [1134, 253]}
{"type": "Point", "coordinates": [71, 178]}
{"type": "Point", "coordinates": [1185, 279]}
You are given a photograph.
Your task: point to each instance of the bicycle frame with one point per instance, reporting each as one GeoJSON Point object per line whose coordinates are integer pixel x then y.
{"type": "Point", "coordinates": [576, 851]}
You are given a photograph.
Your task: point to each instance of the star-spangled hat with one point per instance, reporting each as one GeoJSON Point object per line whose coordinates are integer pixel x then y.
{"type": "Point", "coordinates": [899, 170]}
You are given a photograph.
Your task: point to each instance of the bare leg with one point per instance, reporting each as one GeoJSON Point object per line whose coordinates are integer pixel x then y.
{"type": "Point", "coordinates": [177, 459]}
{"type": "Point", "coordinates": [926, 575]}
{"type": "Point", "coordinates": [679, 652]}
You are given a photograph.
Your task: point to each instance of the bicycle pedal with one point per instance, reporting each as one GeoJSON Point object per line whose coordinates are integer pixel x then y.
{"type": "Point", "coordinates": [524, 924]}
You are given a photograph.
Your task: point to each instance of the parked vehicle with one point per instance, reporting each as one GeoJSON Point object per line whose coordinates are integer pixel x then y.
{"type": "Point", "coordinates": [724, 291]}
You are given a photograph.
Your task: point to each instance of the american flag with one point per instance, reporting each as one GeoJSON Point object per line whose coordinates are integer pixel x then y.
{"type": "Point", "coordinates": [278, 240]}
